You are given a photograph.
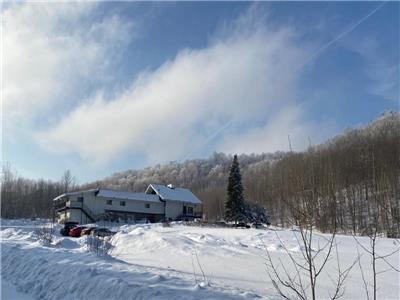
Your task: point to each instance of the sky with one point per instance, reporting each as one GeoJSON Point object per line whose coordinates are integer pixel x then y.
{"type": "Point", "coordinates": [98, 88]}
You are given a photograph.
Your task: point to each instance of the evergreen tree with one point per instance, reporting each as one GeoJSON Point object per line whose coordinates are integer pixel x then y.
{"type": "Point", "coordinates": [234, 206]}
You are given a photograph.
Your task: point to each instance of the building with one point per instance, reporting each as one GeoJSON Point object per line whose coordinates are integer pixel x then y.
{"type": "Point", "coordinates": [158, 203]}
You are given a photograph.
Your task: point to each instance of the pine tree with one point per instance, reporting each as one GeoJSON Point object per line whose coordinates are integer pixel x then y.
{"type": "Point", "coordinates": [234, 206]}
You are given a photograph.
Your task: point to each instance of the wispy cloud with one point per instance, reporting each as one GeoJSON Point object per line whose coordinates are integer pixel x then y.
{"type": "Point", "coordinates": [273, 134]}
{"type": "Point", "coordinates": [247, 76]}
{"type": "Point", "coordinates": [49, 50]}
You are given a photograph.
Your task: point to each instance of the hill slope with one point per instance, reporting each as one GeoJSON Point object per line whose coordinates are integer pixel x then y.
{"type": "Point", "coordinates": [355, 175]}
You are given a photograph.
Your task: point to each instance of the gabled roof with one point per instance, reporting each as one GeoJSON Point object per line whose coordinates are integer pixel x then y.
{"type": "Point", "coordinates": [161, 192]}
{"type": "Point", "coordinates": [173, 193]}
{"type": "Point", "coordinates": [128, 195]}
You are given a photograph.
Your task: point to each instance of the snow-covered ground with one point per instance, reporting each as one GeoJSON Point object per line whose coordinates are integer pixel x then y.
{"type": "Point", "coordinates": [156, 262]}
{"type": "Point", "coordinates": [9, 291]}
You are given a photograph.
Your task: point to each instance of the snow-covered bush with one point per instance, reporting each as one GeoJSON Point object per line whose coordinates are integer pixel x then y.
{"type": "Point", "coordinates": [166, 224]}
{"type": "Point", "coordinates": [44, 234]}
{"type": "Point", "coordinates": [256, 213]}
{"type": "Point", "coordinates": [98, 245]}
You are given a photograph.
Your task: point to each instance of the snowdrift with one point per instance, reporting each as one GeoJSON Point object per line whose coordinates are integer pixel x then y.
{"type": "Point", "coordinates": [149, 261]}
{"type": "Point", "coordinates": [68, 272]}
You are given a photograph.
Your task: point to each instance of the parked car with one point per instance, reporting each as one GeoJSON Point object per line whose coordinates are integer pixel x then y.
{"type": "Point", "coordinates": [76, 231]}
{"type": "Point", "coordinates": [102, 232]}
{"type": "Point", "coordinates": [87, 231]}
{"type": "Point", "coordinates": [67, 227]}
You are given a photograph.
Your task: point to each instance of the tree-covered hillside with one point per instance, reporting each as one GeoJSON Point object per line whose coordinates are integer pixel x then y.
{"type": "Point", "coordinates": [349, 182]}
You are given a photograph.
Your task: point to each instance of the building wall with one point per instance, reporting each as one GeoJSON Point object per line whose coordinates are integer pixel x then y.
{"type": "Point", "coordinates": [98, 205]}
{"type": "Point", "coordinates": [198, 209]}
{"type": "Point", "coordinates": [93, 203]}
{"type": "Point", "coordinates": [173, 210]}
{"type": "Point", "coordinates": [134, 217]}
{"type": "Point", "coordinates": [73, 215]}
{"type": "Point", "coordinates": [146, 207]}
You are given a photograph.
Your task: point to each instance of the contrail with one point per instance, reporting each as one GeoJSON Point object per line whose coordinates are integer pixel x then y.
{"type": "Point", "coordinates": [210, 137]}
{"type": "Point", "coordinates": [316, 53]}
{"type": "Point", "coordinates": [347, 31]}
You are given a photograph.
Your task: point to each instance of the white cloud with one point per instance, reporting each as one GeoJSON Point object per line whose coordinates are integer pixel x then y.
{"type": "Point", "coordinates": [247, 77]}
{"type": "Point", "coordinates": [48, 51]}
{"type": "Point", "coordinates": [287, 124]}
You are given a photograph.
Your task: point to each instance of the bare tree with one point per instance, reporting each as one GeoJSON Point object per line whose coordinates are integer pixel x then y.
{"type": "Point", "coordinates": [372, 252]}
{"type": "Point", "coordinates": [26, 198]}
{"type": "Point", "coordinates": [308, 185]}
{"type": "Point", "coordinates": [356, 175]}
{"type": "Point", "coordinates": [302, 284]}
{"type": "Point", "coordinates": [67, 181]}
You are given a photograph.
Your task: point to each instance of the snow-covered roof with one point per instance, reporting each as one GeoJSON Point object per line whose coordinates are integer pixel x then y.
{"type": "Point", "coordinates": [162, 191]}
{"type": "Point", "coordinates": [174, 193]}
{"type": "Point", "coordinates": [128, 195]}
{"type": "Point", "coordinates": [74, 193]}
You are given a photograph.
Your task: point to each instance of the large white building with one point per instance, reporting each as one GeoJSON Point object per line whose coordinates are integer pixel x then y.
{"type": "Point", "coordinates": [158, 203]}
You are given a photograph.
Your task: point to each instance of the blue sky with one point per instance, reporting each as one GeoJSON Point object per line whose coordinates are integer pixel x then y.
{"type": "Point", "coordinates": [103, 87]}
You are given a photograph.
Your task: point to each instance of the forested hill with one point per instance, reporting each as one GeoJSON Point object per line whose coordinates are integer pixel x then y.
{"type": "Point", "coordinates": [349, 182]}
{"type": "Point", "coordinates": [354, 177]}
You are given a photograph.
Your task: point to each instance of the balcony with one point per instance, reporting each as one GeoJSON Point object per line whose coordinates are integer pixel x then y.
{"type": "Point", "coordinates": [74, 204]}
{"type": "Point", "coordinates": [78, 205]}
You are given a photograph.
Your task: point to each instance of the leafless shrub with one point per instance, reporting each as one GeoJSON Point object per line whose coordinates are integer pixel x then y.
{"type": "Point", "coordinates": [99, 245]}
{"type": "Point", "coordinates": [166, 224]}
{"type": "Point", "coordinates": [302, 283]}
{"type": "Point", "coordinates": [204, 282]}
{"type": "Point", "coordinates": [304, 215]}
{"type": "Point", "coordinates": [44, 234]}
{"type": "Point", "coordinates": [371, 251]}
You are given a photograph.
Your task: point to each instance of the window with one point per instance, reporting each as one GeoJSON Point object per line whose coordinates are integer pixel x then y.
{"type": "Point", "coordinates": [109, 202]}
{"type": "Point", "coordinates": [190, 210]}
{"type": "Point", "coordinates": [147, 205]}
{"type": "Point", "coordinates": [122, 203]}
{"type": "Point", "coordinates": [80, 199]}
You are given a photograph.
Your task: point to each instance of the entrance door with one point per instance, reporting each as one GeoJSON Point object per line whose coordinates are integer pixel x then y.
{"type": "Point", "coordinates": [184, 210]}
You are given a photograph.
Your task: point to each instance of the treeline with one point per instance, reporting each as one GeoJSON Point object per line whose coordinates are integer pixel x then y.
{"type": "Point", "coordinates": [26, 198]}
{"type": "Point", "coordinates": [350, 183]}
{"type": "Point", "coordinates": [207, 178]}
{"type": "Point", "coordinates": [345, 184]}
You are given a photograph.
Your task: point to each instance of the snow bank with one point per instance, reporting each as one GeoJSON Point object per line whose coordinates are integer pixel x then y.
{"type": "Point", "coordinates": [236, 257]}
{"type": "Point", "coordinates": [67, 272]}
{"type": "Point", "coordinates": [8, 291]}
{"type": "Point", "coordinates": [154, 262]}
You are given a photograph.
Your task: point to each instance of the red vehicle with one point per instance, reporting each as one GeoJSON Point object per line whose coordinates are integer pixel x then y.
{"type": "Point", "coordinates": [76, 231]}
{"type": "Point", "coordinates": [87, 231]}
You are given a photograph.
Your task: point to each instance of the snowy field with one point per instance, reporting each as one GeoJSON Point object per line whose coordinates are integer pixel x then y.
{"type": "Point", "coordinates": [155, 262]}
